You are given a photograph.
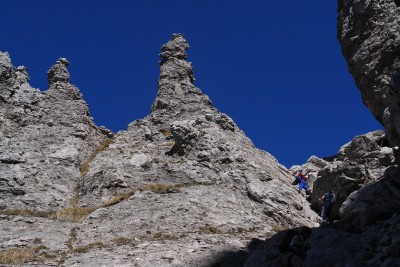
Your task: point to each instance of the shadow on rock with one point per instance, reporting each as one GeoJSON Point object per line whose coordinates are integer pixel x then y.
{"type": "Point", "coordinates": [235, 258]}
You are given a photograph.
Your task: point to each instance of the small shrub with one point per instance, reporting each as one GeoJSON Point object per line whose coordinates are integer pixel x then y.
{"type": "Point", "coordinates": [19, 255]}
{"type": "Point", "coordinates": [162, 188]}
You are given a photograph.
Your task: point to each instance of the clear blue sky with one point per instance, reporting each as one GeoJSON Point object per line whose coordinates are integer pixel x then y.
{"type": "Point", "coordinates": [275, 67]}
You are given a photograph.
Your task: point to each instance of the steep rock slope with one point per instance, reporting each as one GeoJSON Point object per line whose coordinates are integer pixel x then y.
{"type": "Point", "coordinates": [364, 161]}
{"type": "Point", "coordinates": [44, 138]}
{"type": "Point", "coordinates": [182, 187]}
{"type": "Point", "coordinates": [365, 173]}
{"type": "Point", "coordinates": [217, 190]}
{"type": "Point", "coordinates": [364, 177]}
{"type": "Point", "coordinates": [369, 33]}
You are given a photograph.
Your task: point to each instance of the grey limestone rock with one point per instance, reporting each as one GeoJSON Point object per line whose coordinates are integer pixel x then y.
{"type": "Point", "coordinates": [44, 139]}
{"type": "Point", "coordinates": [362, 161]}
{"type": "Point", "coordinates": [59, 72]}
{"type": "Point", "coordinates": [364, 174]}
{"type": "Point", "coordinates": [183, 186]}
{"type": "Point", "coordinates": [216, 182]}
{"type": "Point", "coordinates": [369, 33]}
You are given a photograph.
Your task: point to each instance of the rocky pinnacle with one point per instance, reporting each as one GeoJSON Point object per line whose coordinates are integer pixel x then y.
{"type": "Point", "coordinates": [6, 68]}
{"type": "Point", "coordinates": [58, 72]}
{"type": "Point", "coordinates": [176, 91]}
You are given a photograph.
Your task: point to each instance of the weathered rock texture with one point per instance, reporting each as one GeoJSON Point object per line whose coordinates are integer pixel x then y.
{"type": "Point", "coordinates": [369, 33]}
{"type": "Point", "coordinates": [364, 174]}
{"type": "Point", "coordinates": [182, 187]}
{"type": "Point", "coordinates": [44, 138]}
{"type": "Point", "coordinates": [364, 161]}
{"type": "Point", "coordinates": [365, 179]}
{"type": "Point", "coordinates": [227, 191]}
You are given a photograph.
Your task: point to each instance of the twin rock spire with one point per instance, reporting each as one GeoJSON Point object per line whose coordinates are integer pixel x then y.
{"type": "Point", "coordinates": [176, 91]}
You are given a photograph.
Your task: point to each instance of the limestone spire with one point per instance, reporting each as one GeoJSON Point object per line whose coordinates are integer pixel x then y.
{"type": "Point", "coordinates": [6, 68]}
{"type": "Point", "coordinates": [176, 91]}
{"type": "Point", "coordinates": [58, 72]}
{"type": "Point", "coordinates": [22, 75]}
{"type": "Point", "coordinates": [173, 64]}
{"type": "Point", "coordinates": [176, 47]}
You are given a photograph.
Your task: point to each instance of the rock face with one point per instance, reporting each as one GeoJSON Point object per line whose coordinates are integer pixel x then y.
{"type": "Point", "coordinates": [361, 162]}
{"type": "Point", "coordinates": [369, 33]}
{"type": "Point", "coordinates": [218, 182]}
{"type": "Point", "coordinates": [183, 186]}
{"type": "Point", "coordinates": [365, 179]}
{"type": "Point", "coordinates": [44, 138]}
{"type": "Point", "coordinates": [365, 172]}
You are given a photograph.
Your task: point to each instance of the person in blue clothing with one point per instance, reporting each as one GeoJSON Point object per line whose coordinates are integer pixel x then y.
{"type": "Point", "coordinates": [301, 180]}
{"type": "Point", "coordinates": [329, 198]}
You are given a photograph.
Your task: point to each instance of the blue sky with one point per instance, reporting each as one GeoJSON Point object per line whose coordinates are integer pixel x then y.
{"type": "Point", "coordinates": [275, 67]}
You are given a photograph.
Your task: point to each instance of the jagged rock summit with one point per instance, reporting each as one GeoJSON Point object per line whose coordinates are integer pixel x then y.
{"type": "Point", "coordinates": [44, 138]}
{"type": "Point", "coordinates": [183, 186]}
{"type": "Point", "coordinates": [222, 190]}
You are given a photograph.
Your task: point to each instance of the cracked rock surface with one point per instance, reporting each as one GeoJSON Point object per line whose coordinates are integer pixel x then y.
{"type": "Point", "coordinates": [44, 138]}
{"type": "Point", "coordinates": [369, 34]}
{"type": "Point", "coordinates": [183, 186]}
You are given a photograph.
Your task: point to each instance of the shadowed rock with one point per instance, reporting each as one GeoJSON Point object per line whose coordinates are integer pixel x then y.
{"type": "Point", "coordinates": [369, 33]}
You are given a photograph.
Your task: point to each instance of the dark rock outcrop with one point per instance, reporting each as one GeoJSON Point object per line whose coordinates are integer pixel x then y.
{"type": "Point", "coordinates": [364, 174]}
{"type": "Point", "coordinates": [369, 33]}
{"type": "Point", "coordinates": [364, 177]}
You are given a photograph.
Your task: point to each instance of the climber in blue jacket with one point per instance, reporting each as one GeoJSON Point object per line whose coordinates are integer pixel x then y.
{"type": "Point", "coordinates": [301, 179]}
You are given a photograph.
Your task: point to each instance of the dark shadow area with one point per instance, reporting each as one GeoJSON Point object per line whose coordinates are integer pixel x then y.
{"type": "Point", "coordinates": [397, 2]}
{"type": "Point", "coordinates": [235, 258]}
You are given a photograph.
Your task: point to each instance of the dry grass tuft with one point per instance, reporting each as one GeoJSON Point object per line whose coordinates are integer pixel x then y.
{"type": "Point", "coordinates": [279, 228]}
{"type": "Point", "coordinates": [19, 255]}
{"type": "Point", "coordinates": [158, 235]}
{"type": "Point", "coordinates": [72, 214]}
{"type": "Point", "coordinates": [72, 237]}
{"type": "Point", "coordinates": [103, 146]}
{"type": "Point", "coordinates": [210, 230]}
{"type": "Point", "coordinates": [86, 248]}
{"type": "Point", "coordinates": [165, 132]}
{"type": "Point", "coordinates": [162, 188]}
{"type": "Point", "coordinates": [120, 241]}
{"type": "Point", "coordinates": [66, 214]}
{"type": "Point", "coordinates": [28, 213]}
{"type": "Point", "coordinates": [119, 198]}
{"type": "Point", "coordinates": [75, 199]}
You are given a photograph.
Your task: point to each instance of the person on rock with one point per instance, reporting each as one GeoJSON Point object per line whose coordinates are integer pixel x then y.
{"type": "Point", "coordinates": [301, 180]}
{"type": "Point", "coordinates": [328, 198]}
